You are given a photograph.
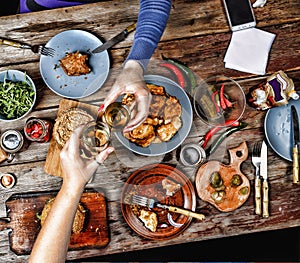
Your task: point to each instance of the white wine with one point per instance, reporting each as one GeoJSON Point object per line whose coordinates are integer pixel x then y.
{"type": "Point", "coordinates": [117, 115]}
{"type": "Point", "coordinates": [95, 137]}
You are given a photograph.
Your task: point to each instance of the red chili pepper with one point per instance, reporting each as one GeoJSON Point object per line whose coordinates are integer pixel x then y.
{"type": "Point", "coordinates": [28, 130]}
{"type": "Point", "coordinates": [213, 98]}
{"type": "Point", "coordinates": [214, 130]}
{"type": "Point", "coordinates": [228, 103]}
{"type": "Point", "coordinates": [222, 96]}
{"type": "Point", "coordinates": [176, 71]}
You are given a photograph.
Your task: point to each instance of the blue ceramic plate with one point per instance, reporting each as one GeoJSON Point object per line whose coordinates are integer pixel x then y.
{"type": "Point", "coordinates": [278, 128]}
{"type": "Point", "coordinates": [74, 87]}
{"type": "Point", "coordinates": [156, 149]}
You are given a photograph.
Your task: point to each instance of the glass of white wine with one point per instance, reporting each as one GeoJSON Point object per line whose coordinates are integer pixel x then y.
{"type": "Point", "coordinates": [117, 115]}
{"type": "Point", "coordinates": [95, 138]}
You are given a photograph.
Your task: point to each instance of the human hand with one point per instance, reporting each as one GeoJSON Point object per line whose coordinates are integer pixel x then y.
{"type": "Point", "coordinates": [131, 80]}
{"type": "Point", "coordinates": [76, 170]}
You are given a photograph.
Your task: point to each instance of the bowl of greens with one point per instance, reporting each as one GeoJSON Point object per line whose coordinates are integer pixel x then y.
{"type": "Point", "coordinates": [17, 95]}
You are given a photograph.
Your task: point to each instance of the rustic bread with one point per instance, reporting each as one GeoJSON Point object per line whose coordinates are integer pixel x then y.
{"type": "Point", "coordinates": [67, 122]}
{"type": "Point", "coordinates": [79, 218]}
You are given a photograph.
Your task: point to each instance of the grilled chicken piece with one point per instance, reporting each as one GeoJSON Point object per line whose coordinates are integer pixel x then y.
{"type": "Point", "coordinates": [75, 64]}
{"type": "Point", "coordinates": [172, 108]}
{"type": "Point", "coordinates": [166, 131]}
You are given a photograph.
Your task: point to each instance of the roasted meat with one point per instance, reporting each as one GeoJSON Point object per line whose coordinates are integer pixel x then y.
{"type": "Point", "coordinates": [142, 135]}
{"type": "Point", "coordinates": [164, 118]}
{"type": "Point", "coordinates": [172, 108]}
{"type": "Point", "coordinates": [170, 186]}
{"type": "Point", "coordinates": [75, 64]}
{"type": "Point", "coordinates": [166, 131]}
{"type": "Point", "coordinates": [149, 219]}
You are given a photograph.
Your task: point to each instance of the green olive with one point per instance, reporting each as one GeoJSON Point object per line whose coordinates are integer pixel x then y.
{"type": "Point", "coordinates": [216, 180]}
{"type": "Point", "coordinates": [236, 180]}
{"type": "Point", "coordinates": [218, 196]}
{"type": "Point", "coordinates": [244, 190]}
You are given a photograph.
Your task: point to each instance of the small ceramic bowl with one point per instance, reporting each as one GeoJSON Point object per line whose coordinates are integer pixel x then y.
{"type": "Point", "coordinates": [219, 101]}
{"type": "Point", "coordinates": [16, 76]}
{"type": "Point", "coordinates": [7, 180]}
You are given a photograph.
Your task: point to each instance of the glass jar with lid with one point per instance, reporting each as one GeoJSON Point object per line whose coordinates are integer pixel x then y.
{"type": "Point", "coordinates": [38, 130]}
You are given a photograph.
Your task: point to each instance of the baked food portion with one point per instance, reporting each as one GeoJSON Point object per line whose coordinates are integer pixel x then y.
{"type": "Point", "coordinates": [67, 122]}
{"type": "Point", "coordinates": [164, 118]}
{"type": "Point", "coordinates": [75, 64]}
{"type": "Point", "coordinates": [170, 186]}
{"type": "Point", "coordinates": [79, 218]}
{"type": "Point", "coordinates": [149, 219]}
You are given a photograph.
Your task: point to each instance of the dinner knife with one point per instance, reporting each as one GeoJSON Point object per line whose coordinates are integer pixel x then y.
{"type": "Point", "coordinates": [295, 128]}
{"type": "Point", "coordinates": [118, 38]}
{"type": "Point", "coordinates": [264, 174]}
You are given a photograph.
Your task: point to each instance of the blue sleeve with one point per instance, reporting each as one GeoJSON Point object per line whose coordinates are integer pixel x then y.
{"type": "Point", "coordinates": [152, 20]}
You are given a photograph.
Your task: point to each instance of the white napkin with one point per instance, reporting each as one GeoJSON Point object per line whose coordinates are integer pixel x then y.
{"type": "Point", "coordinates": [248, 50]}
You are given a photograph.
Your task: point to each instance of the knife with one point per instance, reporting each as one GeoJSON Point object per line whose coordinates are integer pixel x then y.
{"type": "Point", "coordinates": [121, 36]}
{"type": "Point", "coordinates": [264, 174]}
{"type": "Point", "coordinates": [295, 128]}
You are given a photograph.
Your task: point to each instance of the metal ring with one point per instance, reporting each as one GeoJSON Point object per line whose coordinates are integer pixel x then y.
{"type": "Point", "coordinates": [100, 163]}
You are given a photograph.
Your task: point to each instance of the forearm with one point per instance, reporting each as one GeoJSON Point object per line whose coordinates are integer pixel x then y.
{"type": "Point", "coordinates": [152, 20]}
{"type": "Point", "coordinates": [53, 240]}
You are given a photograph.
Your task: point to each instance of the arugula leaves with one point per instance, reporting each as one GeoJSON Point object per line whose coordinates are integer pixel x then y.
{"type": "Point", "coordinates": [16, 98]}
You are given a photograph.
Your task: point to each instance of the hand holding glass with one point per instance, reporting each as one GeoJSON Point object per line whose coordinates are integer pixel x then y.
{"type": "Point", "coordinates": [95, 138]}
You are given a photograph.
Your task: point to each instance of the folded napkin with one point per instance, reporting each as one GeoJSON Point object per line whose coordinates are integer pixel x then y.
{"type": "Point", "coordinates": [248, 50]}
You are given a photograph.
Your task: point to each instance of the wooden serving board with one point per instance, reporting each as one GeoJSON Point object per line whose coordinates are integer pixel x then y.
{"type": "Point", "coordinates": [22, 210]}
{"type": "Point", "coordinates": [52, 164]}
{"type": "Point", "coordinates": [233, 198]}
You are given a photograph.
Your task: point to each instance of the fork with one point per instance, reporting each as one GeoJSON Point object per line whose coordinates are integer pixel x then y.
{"type": "Point", "coordinates": [256, 161]}
{"type": "Point", "coordinates": [38, 49]}
{"type": "Point", "coordinates": [151, 203]}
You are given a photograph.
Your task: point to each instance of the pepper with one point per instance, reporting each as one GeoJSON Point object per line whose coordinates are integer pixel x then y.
{"type": "Point", "coordinates": [223, 135]}
{"type": "Point", "coordinates": [222, 100]}
{"type": "Point", "coordinates": [228, 103]}
{"type": "Point", "coordinates": [190, 78]}
{"type": "Point", "coordinates": [176, 71]}
{"type": "Point", "coordinates": [215, 100]}
{"type": "Point", "coordinates": [214, 130]}
{"type": "Point", "coordinates": [208, 107]}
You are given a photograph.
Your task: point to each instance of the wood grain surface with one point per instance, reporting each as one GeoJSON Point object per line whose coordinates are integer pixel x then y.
{"type": "Point", "coordinates": [198, 35]}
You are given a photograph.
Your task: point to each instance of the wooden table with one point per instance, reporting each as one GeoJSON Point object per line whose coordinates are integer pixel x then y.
{"type": "Point", "coordinates": [198, 35]}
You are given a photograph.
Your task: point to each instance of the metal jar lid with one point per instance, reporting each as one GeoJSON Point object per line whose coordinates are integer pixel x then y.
{"type": "Point", "coordinates": [11, 141]}
{"type": "Point", "coordinates": [192, 154]}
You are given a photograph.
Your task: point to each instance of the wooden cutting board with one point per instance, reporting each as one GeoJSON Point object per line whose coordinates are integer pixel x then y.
{"type": "Point", "coordinates": [22, 209]}
{"type": "Point", "coordinates": [235, 196]}
{"type": "Point", "coordinates": [52, 164]}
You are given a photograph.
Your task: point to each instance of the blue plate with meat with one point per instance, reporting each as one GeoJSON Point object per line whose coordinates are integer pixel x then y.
{"type": "Point", "coordinates": [80, 85]}
{"type": "Point", "coordinates": [176, 113]}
